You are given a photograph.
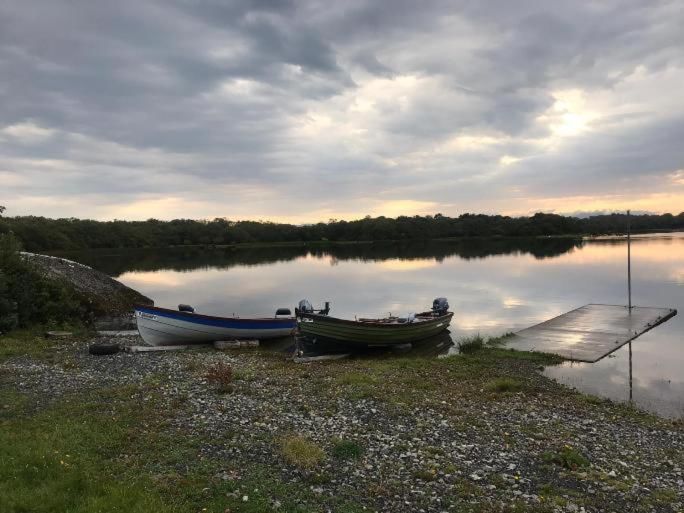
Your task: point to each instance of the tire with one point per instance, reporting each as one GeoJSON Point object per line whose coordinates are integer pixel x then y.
{"type": "Point", "coordinates": [102, 349]}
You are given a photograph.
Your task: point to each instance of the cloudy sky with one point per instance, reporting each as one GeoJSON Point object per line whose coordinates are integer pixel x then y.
{"type": "Point", "coordinates": [308, 110]}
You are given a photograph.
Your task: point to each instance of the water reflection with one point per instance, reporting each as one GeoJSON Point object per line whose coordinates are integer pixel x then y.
{"type": "Point", "coordinates": [627, 376]}
{"type": "Point", "coordinates": [432, 347]}
{"type": "Point", "coordinates": [421, 253]}
{"type": "Point", "coordinates": [493, 286]}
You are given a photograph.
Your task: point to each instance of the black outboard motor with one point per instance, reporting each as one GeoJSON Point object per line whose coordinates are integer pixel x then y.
{"type": "Point", "coordinates": [326, 310]}
{"type": "Point", "coordinates": [186, 308]}
{"type": "Point", "coordinates": [440, 306]}
{"type": "Point", "coordinates": [304, 307]}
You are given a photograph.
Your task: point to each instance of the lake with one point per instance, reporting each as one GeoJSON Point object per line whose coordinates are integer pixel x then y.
{"type": "Point", "coordinates": [494, 286]}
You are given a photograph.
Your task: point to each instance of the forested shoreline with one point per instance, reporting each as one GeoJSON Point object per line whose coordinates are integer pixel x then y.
{"type": "Point", "coordinates": [44, 234]}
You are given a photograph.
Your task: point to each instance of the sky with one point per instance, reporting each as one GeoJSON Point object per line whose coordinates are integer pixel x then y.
{"type": "Point", "coordinates": [305, 111]}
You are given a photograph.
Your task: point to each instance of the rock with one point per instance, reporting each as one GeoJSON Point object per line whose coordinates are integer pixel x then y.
{"type": "Point", "coordinates": [59, 334]}
{"type": "Point", "coordinates": [106, 296]}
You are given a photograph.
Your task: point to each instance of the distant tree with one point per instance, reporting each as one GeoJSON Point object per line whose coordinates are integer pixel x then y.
{"type": "Point", "coordinates": [40, 233]}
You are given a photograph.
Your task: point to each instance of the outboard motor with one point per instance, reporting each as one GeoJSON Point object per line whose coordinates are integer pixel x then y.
{"type": "Point", "coordinates": [326, 309]}
{"type": "Point", "coordinates": [304, 307]}
{"type": "Point", "coordinates": [186, 308]}
{"type": "Point", "coordinates": [440, 306]}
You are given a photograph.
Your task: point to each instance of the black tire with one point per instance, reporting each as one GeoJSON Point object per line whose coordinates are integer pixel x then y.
{"type": "Point", "coordinates": [101, 349]}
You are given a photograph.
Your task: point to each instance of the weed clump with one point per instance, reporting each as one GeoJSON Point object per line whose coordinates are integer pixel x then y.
{"type": "Point", "coordinates": [425, 474]}
{"type": "Point", "coordinates": [301, 452]}
{"type": "Point", "coordinates": [221, 376]}
{"type": "Point", "coordinates": [566, 457]}
{"type": "Point", "coordinates": [346, 450]}
{"type": "Point", "coordinates": [501, 385]}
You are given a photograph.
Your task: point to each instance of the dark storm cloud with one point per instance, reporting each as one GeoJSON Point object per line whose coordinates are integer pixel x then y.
{"type": "Point", "coordinates": [337, 103]}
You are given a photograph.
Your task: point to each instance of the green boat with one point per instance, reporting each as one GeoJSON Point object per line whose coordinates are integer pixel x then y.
{"type": "Point", "coordinates": [374, 332]}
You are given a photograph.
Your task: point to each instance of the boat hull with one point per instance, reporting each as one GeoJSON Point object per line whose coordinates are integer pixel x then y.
{"type": "Point", "coordinates": [369, 334]}
{"type": "Point", "coordinates": [164, 327]}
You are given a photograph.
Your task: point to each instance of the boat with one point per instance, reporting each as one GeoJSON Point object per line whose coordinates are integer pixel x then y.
{"type": "Point", "coordinates": [166, 327]}
{"type": "Point", "coordinates": [386, 331]}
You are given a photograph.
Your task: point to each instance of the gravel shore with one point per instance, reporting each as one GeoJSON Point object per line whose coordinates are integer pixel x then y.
{"type": "Point", "coordinates": [432, 435]}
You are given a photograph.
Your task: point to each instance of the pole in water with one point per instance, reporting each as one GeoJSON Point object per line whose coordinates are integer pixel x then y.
{"type": "Point", "coordinates": [629, 261]}
{"type": "Point", "coordinates": [630, 372]}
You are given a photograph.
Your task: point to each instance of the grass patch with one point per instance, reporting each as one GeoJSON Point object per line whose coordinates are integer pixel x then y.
{"type": "Point", "coordinates": [357, 385]}
{"type": "Point", "coordinates": [246, 375]}
{"type": "Point", "coordinates": [64, 459]}
{"type": "Point", "coordinates": [355, 379]}
{"type": "Point", "coordinates": [664, 495]}
{"type": "Point", "coordinates": [301, 452]}
{"type": "Point", "coordinates": [592, 399]}
{"type": "Point", "coordinates": [346, 450]}
{"type": "Point", "coordinates": [425, 474]}
{"type": "Point", "coordinates": [109, 451]}
{"type": "Point", "coordinates": [566, 457]}
{"type": "Point", "coordinates": [472, 344]}
{"type": "Point", "coordinates": [502, 385]}
{"type": "Point", "coordinates": [475, 343]}
{"type": "Point", "coordinates": [489, 356]}
{"type": "Point", "coordinates": [34, 344]}
{"type": "Point", "coordinates": [499, 341]}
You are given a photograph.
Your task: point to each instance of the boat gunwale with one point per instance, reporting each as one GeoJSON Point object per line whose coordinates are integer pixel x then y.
{"type": "Point", "coordinates": [361, 324]}
{"type": "Point", "coordinates": [192, 315]}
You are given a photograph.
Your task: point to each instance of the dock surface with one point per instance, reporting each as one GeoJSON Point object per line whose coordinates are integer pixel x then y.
{"type": "Point", "coordinates": [590, 332]}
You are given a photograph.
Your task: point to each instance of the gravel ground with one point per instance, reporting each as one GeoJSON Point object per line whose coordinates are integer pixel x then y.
{"type": "Point", "coordinates": [454, 448]}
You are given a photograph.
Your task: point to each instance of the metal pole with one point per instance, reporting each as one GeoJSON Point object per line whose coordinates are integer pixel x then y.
{"type": "Point", "coordinates": [630, 372]}
{"type": "Point", "coordinates": [629, 261]}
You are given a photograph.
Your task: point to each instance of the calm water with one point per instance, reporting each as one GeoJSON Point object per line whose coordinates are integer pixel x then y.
{"type": "Point", "coordinates": [493, 286]}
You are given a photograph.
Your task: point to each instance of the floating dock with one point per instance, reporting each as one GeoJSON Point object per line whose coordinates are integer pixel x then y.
{"type": "Point", "coordinates": [590, 332]}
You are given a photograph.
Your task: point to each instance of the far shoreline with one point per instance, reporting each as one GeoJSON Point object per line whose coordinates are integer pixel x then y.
{"type": "Point", "coordinates": [324, 243]}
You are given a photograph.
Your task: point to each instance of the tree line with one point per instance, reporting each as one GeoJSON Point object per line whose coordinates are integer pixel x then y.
{"type": "Point", "coordinates": [42, 234]}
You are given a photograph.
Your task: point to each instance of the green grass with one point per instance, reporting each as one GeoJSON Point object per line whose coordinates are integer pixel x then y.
{"type": "Point", "coordinates": [111, 452]}
{"type": "Point", "coordinates": [357, 385]}
{"type": "Point", "coordinates": [64, 459]}
{"type": "Point", "coordinates": [501, 385]}
{"type": "Point", "coordinates": [34, 344]}
{"type": "Point", "coordinates": [425, 474]}
{"type": "Point", "coordinates": [472, 344]}
{"type": "Point", "coordinates": [566, 457]}
{"type": "Point", "coordinates": [355, 379]}
{"type": "Point", "coordinates": [593, 399]}
{"type": "Point", "coordinates": [301, 452]}
{"type": "Point", "coordinates": [664, 496]}
{"type": "Point", "coordinates": [346, 450]}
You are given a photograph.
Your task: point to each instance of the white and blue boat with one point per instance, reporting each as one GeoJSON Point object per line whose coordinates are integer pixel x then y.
{"type": "Point", "coordinates": [165, 327]}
